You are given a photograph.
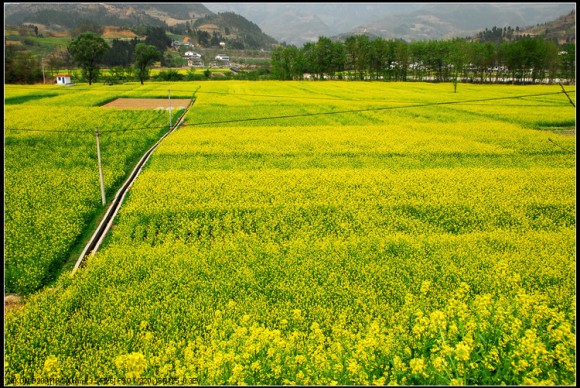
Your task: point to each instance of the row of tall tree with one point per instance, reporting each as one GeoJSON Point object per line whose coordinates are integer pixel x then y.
{"type": "Point", "coordinates": [88, 50]}
{"type": "Point", "coordinates": [122, 52]}
{"type": "Point", "coordinates": [20, 67]}
{"type": "Point", "coordinates": [363, 58]}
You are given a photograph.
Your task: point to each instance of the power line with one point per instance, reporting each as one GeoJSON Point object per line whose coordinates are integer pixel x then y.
{"type": "Point", "coordinates": [45, 130]}
{"type": "Point", "coordinates": [318, 113]}
{"type": "Point", "coordinates": [295, 96]}
{"type": "Point", "coordinates": [82, 131]}
{"type": "Point", "coordinates": [133, 129]}
{"type": "Point", "coordinates": [80, 89]}
{"type": "Point", "coordinates": [372, 109]}
{"type": "Point", "coordinates": [338, 99]}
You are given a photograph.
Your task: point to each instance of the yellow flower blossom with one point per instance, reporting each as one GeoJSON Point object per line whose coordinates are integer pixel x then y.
{"type": "Point", "coordinates": [462, 351]}
{"type": "Point", "coordinates": [417, 366]}
{"type": "Point", "coordinates": [425, 287]}
{"type": "Point", "coordinates": [353, 368]}
{"type": "Point", "coordinates": [300, 359]}
{"type": "Point", "coordinates": [440, 364]}
{"type": "Point", "coordinates": [51, 367]}
{"type": "Point", "coordinates": [133, 364]}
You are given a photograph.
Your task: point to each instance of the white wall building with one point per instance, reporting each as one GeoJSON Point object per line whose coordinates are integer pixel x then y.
{"type": "Point", "coordinates": [62, 79]}
{"type": "Point", "coordinates": [191, 54]}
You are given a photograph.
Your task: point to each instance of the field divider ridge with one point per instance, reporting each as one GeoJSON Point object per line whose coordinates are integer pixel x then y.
{"type": "Point", "coordinates": [105, 225]}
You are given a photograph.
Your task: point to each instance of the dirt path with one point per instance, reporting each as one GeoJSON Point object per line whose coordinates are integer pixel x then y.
{"type": "Point", "coordinates": [148, 103]}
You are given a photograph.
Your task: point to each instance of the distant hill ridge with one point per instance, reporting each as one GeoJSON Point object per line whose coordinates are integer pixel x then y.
{"type": "Point", "coordinates": [562, 30]}
{"type": "Point", "coordinates": [298, 23]}
{"type": "Point", "coordinates": [229, 27]}
{"type": "Point", "coordinates": [253, 25]}
{"type": "Point", "coordinates": [235, 30]}
{"type": "Point", "coordinates": [113, 14]}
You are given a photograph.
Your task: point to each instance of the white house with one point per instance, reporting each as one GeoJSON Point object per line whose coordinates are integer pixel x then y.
{"type": "Point", "coordinates": [176, 44]}
{"type": "Point", "coordinates": [191, 54]}
{"type": "Point", "coordinates": [62, 79]}
{"type": "Point", "coordinates": [222, 57]}
{"type": "Point", "coordinates": [193, 59]}
{"type": "Point", "coordinates": [195, 62]}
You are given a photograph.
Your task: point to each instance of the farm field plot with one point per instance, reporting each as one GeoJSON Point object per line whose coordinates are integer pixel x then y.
{"type": "Point", "coordinates": [51, 173]}
{"type": "Point", "coordinates": [329, 233]}
{"type": "Point", "coordinates": [148, 103]}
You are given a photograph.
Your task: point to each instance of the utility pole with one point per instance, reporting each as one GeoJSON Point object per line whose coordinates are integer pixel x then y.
{"type": "Point", "coordinates": [100, 167]}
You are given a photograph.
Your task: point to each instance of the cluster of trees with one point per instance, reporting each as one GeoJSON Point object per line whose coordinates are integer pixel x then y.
{"type": "Point", "coordinates": [20, 67]}
{"type": "Point", "coordinates": [122, 52]}
{"type": "Point", "coordinates": [89, 49]}
{"type": "Point", "coordinates": [65, 15]}
{"type": "Point", "coordinates": [497, 35]}
{"type": "Point", "coordinates": [526, 60]}
{"type": "Point", "coordinates": [32, 28]}
{"type": "Point", "coordinates": [360, 57]}
{"type": "Point", "coordinates": [87, 25]}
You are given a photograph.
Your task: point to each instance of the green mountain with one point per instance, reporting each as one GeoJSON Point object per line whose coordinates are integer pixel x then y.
{"type": "Point", "coordinates": [184, 21]}
{"type": "Point", "coordinates": [561, 30]}
{"type": "Point", "coordinates": [234, 30]}
{"type": "Point", "coordinates": [68, 15]}
{"type": "Point", "coordinates": [448, 20]}
{"type": "Point", "coordinates": [298, 23]}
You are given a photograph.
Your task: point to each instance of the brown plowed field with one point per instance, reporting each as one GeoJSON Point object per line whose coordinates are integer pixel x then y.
{"type": "Point", "coordinates": [148, 103]}
{"type": "Point", "coordinates": [111, 32]}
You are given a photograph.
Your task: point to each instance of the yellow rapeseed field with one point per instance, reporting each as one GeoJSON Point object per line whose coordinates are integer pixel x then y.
{"type": "Point", "coordinates": [51, 170]}
{"type": "Point", "coordinates": [329, 233]}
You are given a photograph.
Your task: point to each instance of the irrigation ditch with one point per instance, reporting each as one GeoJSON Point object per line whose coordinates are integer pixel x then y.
{"type": "Point", "coordinates": [102, 221]}
{"type": "Point", "coordinates": [106, 222]}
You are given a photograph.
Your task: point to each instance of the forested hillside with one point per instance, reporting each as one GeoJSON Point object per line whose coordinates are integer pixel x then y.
{"type": "Point", "coordinates": [37, 35]}
{"type": "Point", "coordinates": [234, 30]}
{"type": "Point", "coordinates": [543, 53]}
{"type": "Point", "coordinates": [560, 31]}
{"type": "Point", "coordinates": [127, 15]}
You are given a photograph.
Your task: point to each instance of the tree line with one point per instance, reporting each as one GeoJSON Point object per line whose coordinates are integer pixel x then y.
{"type": "Point", "coordinates": [526, 60]}
{"type": "Point", "coordinates": [20, 66]}
{"type": "Point", "coordinates": [122, 52]}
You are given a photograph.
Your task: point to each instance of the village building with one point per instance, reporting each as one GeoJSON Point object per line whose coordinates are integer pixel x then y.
{"type": "Point", "coordinates": [176, 44]}
{"type": "Point", "coordinates": [193, 59]}
{"type": "Point", "coordinates": [62, 79]}
{"type": "Point", "coordinates": [223, 59]}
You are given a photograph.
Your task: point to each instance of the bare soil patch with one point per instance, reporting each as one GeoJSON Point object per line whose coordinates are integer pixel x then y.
{"type": "Point", "coordinates": [568, 132]}
{"type": "Point", "coordinates": [58, 34]}
{"type": "Point", "coordinates": [117, 32]}
{"type": "Point", "coordinates": [148, 103]}
{"type": "Point", "coordinates": [12, 302]}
